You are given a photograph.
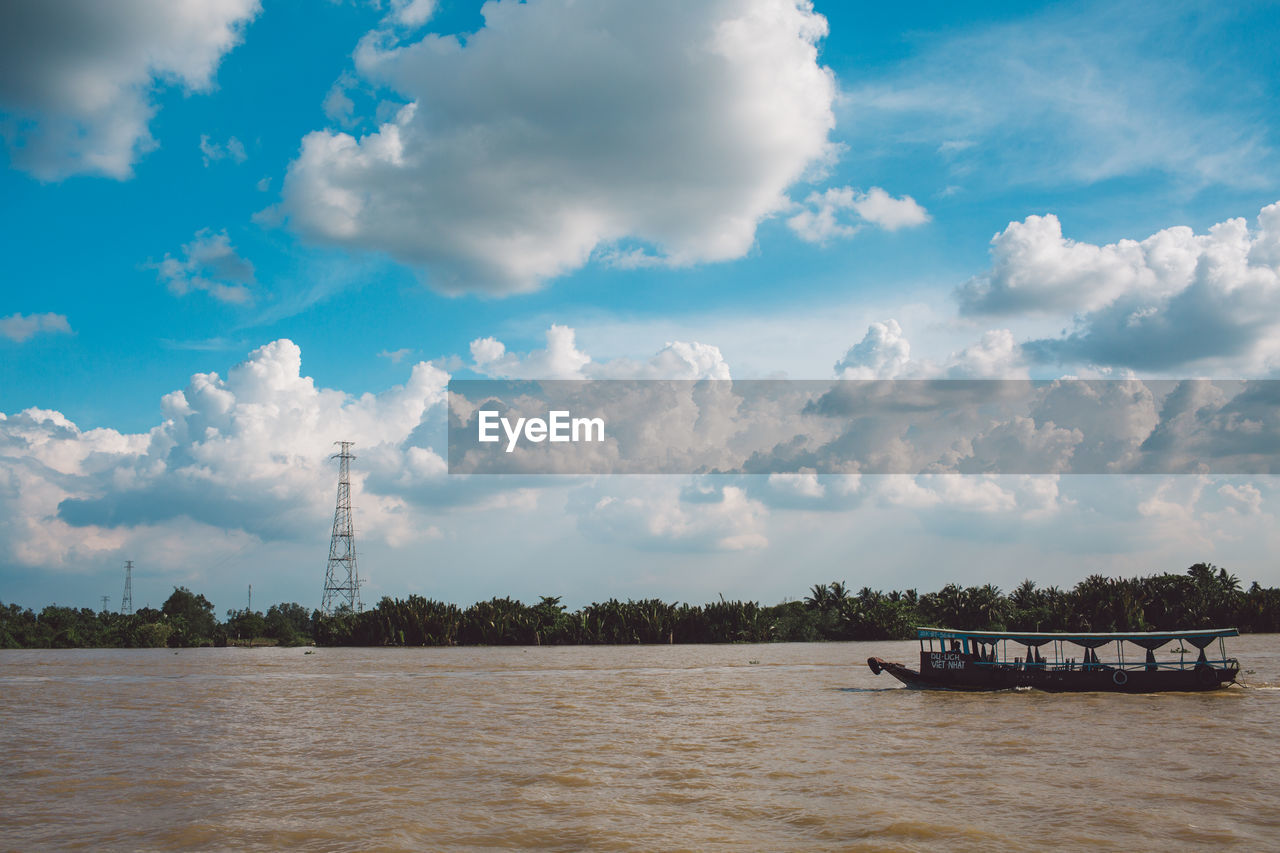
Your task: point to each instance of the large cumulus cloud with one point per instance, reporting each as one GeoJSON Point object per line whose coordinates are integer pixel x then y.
{"type": "Point", "coordinates": [241, 462]}
{"type": "Point", "coordinates": [1173, 301]}
{"type": "Point", "coordinates": [245, 457]}
{"type": "Point", "coordinates": [645, 133]}
{"type": "Point", "coordinates": [77, 76]}
{"type": "Point", "coordinates": [247, 452]}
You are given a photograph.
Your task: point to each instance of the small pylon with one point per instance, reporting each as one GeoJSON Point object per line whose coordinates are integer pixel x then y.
{"type": "Point", "coordinates": [342, 579]}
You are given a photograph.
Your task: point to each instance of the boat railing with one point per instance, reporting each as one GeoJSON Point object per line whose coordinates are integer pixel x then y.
{"type": "Point", "coordinates": [1129, 666]}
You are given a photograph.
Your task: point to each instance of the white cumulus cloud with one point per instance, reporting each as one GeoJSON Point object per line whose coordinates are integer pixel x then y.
{"type": "Point", "coordinates": [77, 77]}
{"type": "Point", "coordinates": [1172, 300]}
{"type": "Point", "coordinates": [247, 453]}
{"type": "Point", "coordinates": [561, 359]}
{"type": "Point", "coordinates": [883, 353]}
{"type": "Point", "coordinates": [566, 129]}
{"type": "Point", "coordinates": [820, 220]}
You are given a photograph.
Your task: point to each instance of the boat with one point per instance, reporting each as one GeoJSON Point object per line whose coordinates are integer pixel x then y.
{"type": "Point", "coordinates": [1063, 662]}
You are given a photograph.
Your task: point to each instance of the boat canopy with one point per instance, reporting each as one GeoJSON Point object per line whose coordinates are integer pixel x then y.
{"type": "Point", "coordinates": [1145, 639]}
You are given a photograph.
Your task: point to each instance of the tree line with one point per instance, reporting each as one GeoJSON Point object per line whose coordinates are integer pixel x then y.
{"type": "Point", "coordinates": [1204, 596]}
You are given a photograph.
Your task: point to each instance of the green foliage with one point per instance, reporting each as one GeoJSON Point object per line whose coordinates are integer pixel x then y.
{"type": "Point", "coordinates": [245, 625]}
{"type": "Point", "coordinates": [190, 616]}
{"type": "Point", "coordinates": [1205, 596]}
{"type": "Point", "coordinates": [288, 624]}
{"type": "Point", "coordinates": [499, 621]}
{"type": "Point", "coordinates": [66, 627]}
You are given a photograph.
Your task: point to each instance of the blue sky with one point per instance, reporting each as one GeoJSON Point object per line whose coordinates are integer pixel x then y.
{"type": "Point", "coordinates": [335, 206]}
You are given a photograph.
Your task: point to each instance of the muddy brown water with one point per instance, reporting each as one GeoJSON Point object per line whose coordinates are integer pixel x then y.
{"type": "Point", "coordinates": [750, 747]}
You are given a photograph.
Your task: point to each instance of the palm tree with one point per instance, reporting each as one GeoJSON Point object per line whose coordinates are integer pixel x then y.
{"type": "Point", "coordinates": [819, 598]}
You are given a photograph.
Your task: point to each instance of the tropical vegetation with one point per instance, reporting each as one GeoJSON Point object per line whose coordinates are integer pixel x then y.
{"type": "Point", "coordinates": [1204, 596]}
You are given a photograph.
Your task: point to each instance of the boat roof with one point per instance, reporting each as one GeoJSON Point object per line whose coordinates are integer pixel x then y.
{"type": "Point", "coordinates": [1091, 639]}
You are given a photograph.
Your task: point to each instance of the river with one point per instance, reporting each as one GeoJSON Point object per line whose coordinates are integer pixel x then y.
{"type": "Point", "coordinates": [746, 747]}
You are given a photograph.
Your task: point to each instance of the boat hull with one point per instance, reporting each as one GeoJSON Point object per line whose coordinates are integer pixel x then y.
{"type": "Point", "coordinates": [1107, 679]}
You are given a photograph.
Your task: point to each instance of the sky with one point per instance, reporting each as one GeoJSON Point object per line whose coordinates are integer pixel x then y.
{"type": "Point", "coordinates": [236, 232]}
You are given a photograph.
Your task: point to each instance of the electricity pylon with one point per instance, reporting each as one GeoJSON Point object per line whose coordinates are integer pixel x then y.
{"type": "Point", "coordinates": [342, 579]}
{"type": "Point", "coordinates": [126, 600]}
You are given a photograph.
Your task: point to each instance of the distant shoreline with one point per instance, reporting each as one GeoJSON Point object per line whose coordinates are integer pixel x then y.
{"type": "Point", "coordinates": [1203, 596]}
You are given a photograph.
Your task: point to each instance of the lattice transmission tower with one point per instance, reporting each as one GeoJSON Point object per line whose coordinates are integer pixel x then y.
{"type": "Point", "coordinates": [126, 600]}
{"type": "Point", "coordinates": [341, 578]}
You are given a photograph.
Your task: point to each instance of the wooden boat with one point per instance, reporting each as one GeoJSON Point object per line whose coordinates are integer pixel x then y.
{"type": "Point", "coordinates": [1000, 660]}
